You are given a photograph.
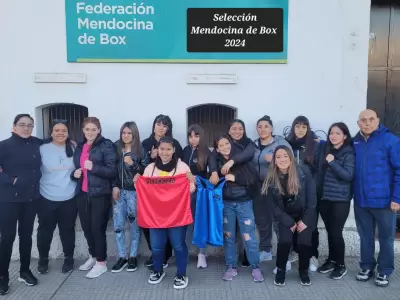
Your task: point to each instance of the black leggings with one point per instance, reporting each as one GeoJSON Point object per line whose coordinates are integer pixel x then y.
{"type": "Point", "coordinates": [334, 214]}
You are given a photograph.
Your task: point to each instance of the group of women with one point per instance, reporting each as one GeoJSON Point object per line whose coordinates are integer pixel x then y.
{"type": "Point", "coordinates": [272, 183]}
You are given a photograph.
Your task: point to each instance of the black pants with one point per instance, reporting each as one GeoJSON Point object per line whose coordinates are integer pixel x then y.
{"type": "Point", "coordinates": [51, 214]}
{"type": "Point", "coordinates": [334, 214]}
{"type": "Point", "coordinates": [11, 214]}
{"type": "Point", "coordinates": [168, 247]}
{"type": "Point", "coordinates": [94, 214]}
{"type": "Point", "coordinates": [315, 236]}
{"type": "Point", "coordinates": [263, 216]}
{"type": "Point", "coordinates": [300, 241]}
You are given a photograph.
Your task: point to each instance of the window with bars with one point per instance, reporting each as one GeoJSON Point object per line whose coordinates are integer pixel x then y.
{"type": "Point", "coordinates": [214, 118]}
{"type": "Point", "coordinates": [72, 113]}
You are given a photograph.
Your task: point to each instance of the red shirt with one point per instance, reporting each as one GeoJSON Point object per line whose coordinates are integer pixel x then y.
{"type": "Point", "coordinates": [84, 157]}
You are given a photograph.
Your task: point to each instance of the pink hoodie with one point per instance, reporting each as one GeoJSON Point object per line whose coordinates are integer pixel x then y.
{"type": "Point", "coordinates": [181, 168]}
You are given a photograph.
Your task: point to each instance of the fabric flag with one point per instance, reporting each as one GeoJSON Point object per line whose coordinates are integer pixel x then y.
{"type": "Point", "coordinates": [200, 232]}
{"type": "Point", "coordinates": [163, 202]}
{"type": "Point", "coordinates": [215, 215]}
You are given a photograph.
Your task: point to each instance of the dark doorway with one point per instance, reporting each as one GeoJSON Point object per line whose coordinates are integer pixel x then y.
{"type": "Point", "coordinates": [214, 118]}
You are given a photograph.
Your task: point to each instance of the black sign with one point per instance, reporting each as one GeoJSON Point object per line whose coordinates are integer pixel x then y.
{"type": "Point", "coordinates": [235, 30]}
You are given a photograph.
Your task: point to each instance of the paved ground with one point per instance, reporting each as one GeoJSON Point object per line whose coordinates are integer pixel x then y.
{"type": "Point", "coordinates": [204, 284]}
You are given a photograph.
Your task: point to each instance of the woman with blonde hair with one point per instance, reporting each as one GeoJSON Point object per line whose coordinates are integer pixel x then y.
{"type": "Point", "coordinates": [290, 191]}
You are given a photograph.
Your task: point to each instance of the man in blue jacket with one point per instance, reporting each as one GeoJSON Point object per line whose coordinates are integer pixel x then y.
{"type": "Point", "coordinates": [376, 195]}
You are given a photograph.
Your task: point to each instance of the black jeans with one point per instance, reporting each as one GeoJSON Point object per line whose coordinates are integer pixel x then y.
{"type": "Point", "coordinates": [51, 214]}
{"type": "Point", "coordinates": [334, 214]}
{"type": "Point", "coordinates": [315, 235]}
{"type": "Point", "coordinates": [94, 214]}
{"type": "Point", "coordinates": [300, 241]}
{"type": "Point", "coordinates": [11, 214]}
{"type": "Point", "coordinates": [168, 246]}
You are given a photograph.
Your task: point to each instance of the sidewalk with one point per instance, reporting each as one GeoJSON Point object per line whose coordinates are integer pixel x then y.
{"type": "Point", "coordinates": [203, 284]}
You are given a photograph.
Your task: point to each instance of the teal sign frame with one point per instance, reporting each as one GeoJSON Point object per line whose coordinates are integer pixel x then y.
{"type": "Point", "coordinates": [152, 31]}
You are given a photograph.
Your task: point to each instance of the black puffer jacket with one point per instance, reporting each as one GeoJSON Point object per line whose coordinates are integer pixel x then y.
{"type": "Point", "coordinates": [246, 178]}
{"type": "Point", "coordinates": [307, 198]}
{"type": "Point", "coordinates": [125, 172]}
{"type": "Point", "coordinates": [335, 179]}
{"type": "Point", "coordinates": [103, 155]}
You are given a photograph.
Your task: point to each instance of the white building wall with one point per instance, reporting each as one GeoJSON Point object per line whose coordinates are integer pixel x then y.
{"type": "Point", "coordinates": [325, 78]}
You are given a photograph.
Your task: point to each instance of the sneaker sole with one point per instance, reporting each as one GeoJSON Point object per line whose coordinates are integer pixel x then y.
{"type": "Point", "coordinates": [24, 281]}
{"type": "Point", "coordinates": [229, 279]}
{"type": "Point", "coordinates": [180, 287]}
{"type": "Point", "coordinates": [279, 284]}
{"type": "Point", "coordinates": [363, 279]}
{"type": "Point", "coordinates": [381, 285]}
{"type": "Point", "coordinates": [93, 277]}
{"type": "Point", "coordinates": [158, 281]}
{"type": "Point", "coordinates": [120, 270]}
{"type": "Point", "coordinates": [340, 277]}
{"type": "Point", "coordinates": [42, 273]}
{"type": "Point", "coordinates": [131, 270]}
{"type": "Point", "coordinates": [258, 280]}
{"type": "Point", "coordinates": [305, 283]}
{"type": "Point", "coordinates": [325, 271]}
{"type": "Point", "coordinates": [85, 269]}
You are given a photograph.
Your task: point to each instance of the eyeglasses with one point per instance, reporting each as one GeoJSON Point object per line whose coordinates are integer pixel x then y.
{"type": "Point", "coordinates": [29, 126]}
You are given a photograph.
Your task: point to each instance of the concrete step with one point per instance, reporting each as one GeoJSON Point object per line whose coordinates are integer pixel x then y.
{"type": "Point", "coordinates": [351, 237]}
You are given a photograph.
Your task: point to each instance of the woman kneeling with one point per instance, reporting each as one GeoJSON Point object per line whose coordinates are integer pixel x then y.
{"type": "Point", "coordinates": [291, 193]}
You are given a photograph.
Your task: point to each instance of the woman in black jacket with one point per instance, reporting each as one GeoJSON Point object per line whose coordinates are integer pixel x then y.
{"type": "Point", "coordinates": [95, 162]}
{"type": "Point", "coordinates": [131, 162]}
{"type": "Point", "coordinates": [196, 156]}
{"type": "Point", "coordinates": [20, 174]}
{"type": "Point", "coordinates": [237, 194]}
{"type": "Point", "coordinates": [336, 169]}
{"type": "Point", "coordinates": [291, 192]}
{"type": "Point", "coordinates": [243, 152]}
{"type": "Point", "coordinates": [305, 148]}
{"type": "Point", "coordinates": [162, 127]}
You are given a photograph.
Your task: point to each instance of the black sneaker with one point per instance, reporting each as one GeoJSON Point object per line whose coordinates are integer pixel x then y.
{"type": "Point", "coordinates": [382, 280]}
{"type": "Point", "coordinates": [280, 277]}
{"type": "Point", "coordinates": [132, 264]}
{"type": "Point", "coordinates": [304, 278]}
{"type": "Point", "coordinates": [364, 275]}
{"type": "Point", "coordinates": [43, 265]}
{"type": "Point", "coordinates": [156, 278]}
{"type": "Point", "coordinates": [338, 272]}
{"type": "Point", "coordinates": [120, 265]}
{"type": "Point", "coordinates": [149, 262]}
{"type": "Point", "coordinates": [28, 278]}
{"type": "Point", "coordinates": [180, 282]}
{"type": "Point", "coordinates": [245, 263]}
{"type": "Point", "coordinates": [4, 286]}
{"type": "Point", "coordinates": [327, 266]}
{"type": "Point", "coordinates": [68, 265]}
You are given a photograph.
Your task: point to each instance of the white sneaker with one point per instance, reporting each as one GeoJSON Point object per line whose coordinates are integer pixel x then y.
{"type": "Point", "coordinates": [97, 270]}
{"type": "Point", "coordinates": [313, 264]}
{"type": "Point", "coordinates": [201, 261]}
{"type": "Point", "coordinates": [288, 267]}
{"type": "Point", "coordinates": [88, 264]}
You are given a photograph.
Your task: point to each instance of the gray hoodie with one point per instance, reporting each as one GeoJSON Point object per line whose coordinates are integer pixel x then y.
{"type": "Point", "coordinates": [259, 155]}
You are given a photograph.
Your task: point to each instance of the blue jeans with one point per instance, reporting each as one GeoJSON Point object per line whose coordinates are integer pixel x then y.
{"type": "Point", "coordinates": [125, 209]}
{"type": "Point", "coordinates": [177, 237]}
{"type": "Point", "coordinates": [243, 212]}
{"type": "Point", "coordinates": [367, 219]}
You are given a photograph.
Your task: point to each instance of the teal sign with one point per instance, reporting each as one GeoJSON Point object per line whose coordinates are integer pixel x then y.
{"type": "Point", "coordinates": [178, 31]}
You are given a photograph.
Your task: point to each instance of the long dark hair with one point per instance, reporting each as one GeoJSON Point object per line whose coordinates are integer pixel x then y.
{"type": "Point", "coordinates": [343, 128]}
{"type": "Point", "coordinates": [69, 147]}
{"type": "Point", "coordinates": [309, 141]}
{"type": "Point", "coordinates": [166, 121]}
{"type": "Point", "coordinates": [244, 141]}
{"type": "Point", "coordinates": [136, 146]}
{"type": "Point", "coordinates": [168, 140]}
{"type": "Point", "coordinates": [202, 148]}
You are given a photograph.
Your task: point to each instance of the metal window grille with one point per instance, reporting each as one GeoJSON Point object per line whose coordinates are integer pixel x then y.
{"type": "Point", "coordinates": [214, 118]}
{"type": "Point", "coordinates": [72, 113]}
